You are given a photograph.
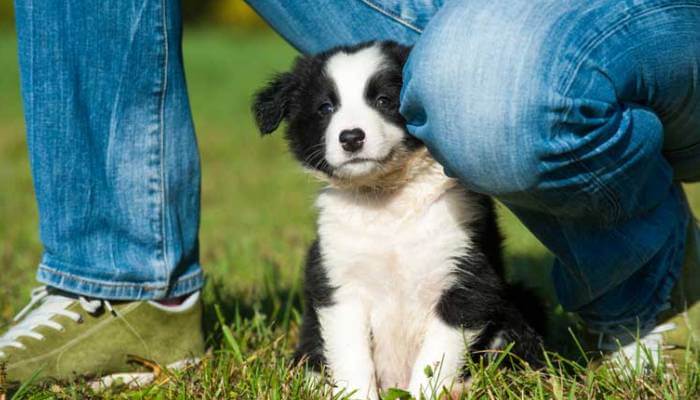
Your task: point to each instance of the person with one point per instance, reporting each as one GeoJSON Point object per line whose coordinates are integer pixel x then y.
{"type": "Point", "coordinates": [581, 117]}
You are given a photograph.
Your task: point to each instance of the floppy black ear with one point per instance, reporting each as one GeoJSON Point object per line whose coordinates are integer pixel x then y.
{"type": "Point", "coordinates": [271, 104]}
{"type": "Point", "coordinates": [396, 50]}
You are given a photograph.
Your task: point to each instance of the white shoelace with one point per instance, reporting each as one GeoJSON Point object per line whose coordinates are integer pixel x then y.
{"type": "Point", "coordinates": [640, 355]}
{"type": "Point", "coordinates": [49, 306]}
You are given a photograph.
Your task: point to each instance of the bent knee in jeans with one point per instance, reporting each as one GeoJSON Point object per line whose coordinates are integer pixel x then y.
{"type": "Point", "coordinates": [532, 105]}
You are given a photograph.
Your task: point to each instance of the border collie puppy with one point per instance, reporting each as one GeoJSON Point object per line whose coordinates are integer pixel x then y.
{"type": "Point", "coordinates": [406, 272]}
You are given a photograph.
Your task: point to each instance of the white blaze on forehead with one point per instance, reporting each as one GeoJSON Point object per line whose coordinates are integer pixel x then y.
{"type": "Point", "coordinates": [351, 72]}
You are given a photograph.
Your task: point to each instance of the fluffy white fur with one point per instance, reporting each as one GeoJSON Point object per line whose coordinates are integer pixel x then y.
{"type": "Point", "coordinates": [382, 331]}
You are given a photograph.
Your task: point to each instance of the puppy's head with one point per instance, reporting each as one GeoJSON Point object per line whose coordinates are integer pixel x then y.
{"type": "Point", "coordinates": [342, 112]}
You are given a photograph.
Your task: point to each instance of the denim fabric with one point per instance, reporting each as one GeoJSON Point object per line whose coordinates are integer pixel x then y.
{"type": "Point", "coordinates": [580, 116]}
{"type": "Point", "coordinates": [112, 146]}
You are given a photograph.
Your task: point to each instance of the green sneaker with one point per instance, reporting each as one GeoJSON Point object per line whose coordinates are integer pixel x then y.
{"type": "Point", "coordinates": [61, 337]}
{"type": "Point", "coordinates": [677, 332]}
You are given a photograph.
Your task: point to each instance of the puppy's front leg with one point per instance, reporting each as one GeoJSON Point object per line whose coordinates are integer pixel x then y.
{"type": "Point", "coordinates": [444, 349]}
{"type": "Point", "coordinates": [346, 340]}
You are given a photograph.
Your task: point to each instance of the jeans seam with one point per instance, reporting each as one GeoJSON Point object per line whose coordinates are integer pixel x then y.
{"type": "Point", "coordinates": [163, 94]}
{"type": "Point", "coordinates": [31, 111]}
{"type": "Point", "coordinates": [609, 194]}
{"type": "Point", "coordinates": [574, 271]}
{"type": "Point", "coordinates": [391, 15]}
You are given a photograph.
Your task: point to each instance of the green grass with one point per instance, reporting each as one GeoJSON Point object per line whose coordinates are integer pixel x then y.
{"type": "Point", "coordinates": [257, 219]}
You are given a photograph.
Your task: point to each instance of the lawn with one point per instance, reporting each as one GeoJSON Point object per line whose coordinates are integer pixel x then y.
{"type": "Point", "coordinates": [257, 219]}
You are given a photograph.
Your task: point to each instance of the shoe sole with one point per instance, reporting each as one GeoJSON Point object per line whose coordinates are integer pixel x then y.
{"type": "Point", "coordinates": [135, 380]}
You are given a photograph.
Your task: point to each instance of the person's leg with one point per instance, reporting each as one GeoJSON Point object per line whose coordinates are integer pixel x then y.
{"type": "Point", "coordinates": [313, 26]}
{"type": "Point", "coordinates": [116, 176]}
{"type": "Point", "coordinates": [564, 111]}
{"type": "Point", "coordinates": [112, 147]}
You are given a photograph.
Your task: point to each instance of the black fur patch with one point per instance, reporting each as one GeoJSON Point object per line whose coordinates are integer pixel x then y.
{"type": "Point", "coordinates": [317, 293]}
{"type": "Point", "coordinates": [482, 300]}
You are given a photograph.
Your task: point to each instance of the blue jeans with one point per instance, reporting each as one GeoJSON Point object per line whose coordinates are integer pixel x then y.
{"type": "Point", "coordinates": [112, 146]}
{"type": "Point", "coordinates": [580, 116]}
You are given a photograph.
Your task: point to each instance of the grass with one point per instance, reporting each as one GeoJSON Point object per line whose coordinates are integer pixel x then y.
{"type": "Point", "coordinates": [257, 220]}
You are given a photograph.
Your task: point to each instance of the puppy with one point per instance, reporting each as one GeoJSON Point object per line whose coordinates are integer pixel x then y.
{"type": "Point", "coordinates": [406, 272]}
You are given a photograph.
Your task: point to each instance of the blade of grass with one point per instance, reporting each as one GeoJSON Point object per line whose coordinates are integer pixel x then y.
{"type": "Point", "coordinates": [228, 335]}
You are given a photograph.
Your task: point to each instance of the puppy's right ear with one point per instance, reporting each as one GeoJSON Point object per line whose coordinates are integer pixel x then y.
{"type": "Point", "coordinates": [271, 104]}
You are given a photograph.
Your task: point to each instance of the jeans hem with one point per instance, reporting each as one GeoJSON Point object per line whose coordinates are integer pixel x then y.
{"type": "Point", "coordinates": [116, 290]}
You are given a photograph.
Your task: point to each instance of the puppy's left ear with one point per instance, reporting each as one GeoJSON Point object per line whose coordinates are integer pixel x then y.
{"type": "Point", "coordinates": [398, 51]}
{"type": "Point", "coordinates": [271, 104]}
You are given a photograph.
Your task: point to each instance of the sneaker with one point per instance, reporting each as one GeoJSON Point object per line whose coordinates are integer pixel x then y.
{"type": "Point", "coordinates": [63, 337]}
{"type": "Point", "coordinates": [677, 332]}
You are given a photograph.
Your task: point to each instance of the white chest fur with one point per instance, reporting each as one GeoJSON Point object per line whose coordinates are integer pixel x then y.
{"type": "Point", "coordinates": [393, 257]}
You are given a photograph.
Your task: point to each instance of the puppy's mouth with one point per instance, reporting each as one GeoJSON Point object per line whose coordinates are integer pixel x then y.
{"type": "Point", "coordinates": [369, 160]}
{"type": "Point", "coordinates": [361, 168]}
{"type": "Point", "coordinates": [358, 166]}
{"type": "Point", "coordinates": [360, 160]}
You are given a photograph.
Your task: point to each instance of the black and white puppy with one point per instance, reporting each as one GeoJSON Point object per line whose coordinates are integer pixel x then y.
{"type": "Point", "coordinates": [406, 272]}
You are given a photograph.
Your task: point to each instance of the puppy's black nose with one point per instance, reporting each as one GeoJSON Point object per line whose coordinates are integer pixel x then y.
{"type": "Point", "coordinates": [352, 140]}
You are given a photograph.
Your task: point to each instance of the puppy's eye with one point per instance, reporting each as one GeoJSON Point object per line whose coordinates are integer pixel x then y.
{"type": "Point", "coordinates": [326, 108]}
{"type": "Point", "coordinates": [383, 102]}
